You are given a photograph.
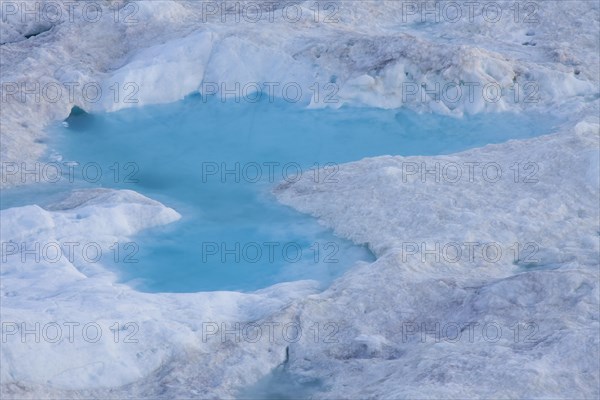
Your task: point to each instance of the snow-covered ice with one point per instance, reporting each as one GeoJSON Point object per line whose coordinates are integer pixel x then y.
{"type": "Point", "coordinates": [371, 52]}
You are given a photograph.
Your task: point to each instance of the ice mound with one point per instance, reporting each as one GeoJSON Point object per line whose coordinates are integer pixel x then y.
{"type": "Point", "coordinates": [162, 73]}
{"type": "Point", "coordinates": [92, 213]}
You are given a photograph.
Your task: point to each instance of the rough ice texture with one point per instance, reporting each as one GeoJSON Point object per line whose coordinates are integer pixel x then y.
{"type": "Point", "coordinates": [370, 52]}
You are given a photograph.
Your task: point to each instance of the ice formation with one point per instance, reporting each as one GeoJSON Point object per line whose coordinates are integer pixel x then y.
{"type": "Point", "coordinates": [172, 49]}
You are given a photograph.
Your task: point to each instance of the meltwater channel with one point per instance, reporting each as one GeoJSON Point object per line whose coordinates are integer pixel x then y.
{"type": "Point", "coordinates": [217, 164]}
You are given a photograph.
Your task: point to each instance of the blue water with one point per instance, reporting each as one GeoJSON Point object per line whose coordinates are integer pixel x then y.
{"type": "Point", "coordinates": [280, 384]}
{"type": "Point", "coordinates": [233, 234]}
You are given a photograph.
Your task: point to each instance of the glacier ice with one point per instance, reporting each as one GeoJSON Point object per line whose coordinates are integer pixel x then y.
{"type": "Point", "coordinates": [370, 52]}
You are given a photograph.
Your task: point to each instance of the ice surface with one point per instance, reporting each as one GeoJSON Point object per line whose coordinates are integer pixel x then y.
{"type": "Point", "coordinates": [370, 52]}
